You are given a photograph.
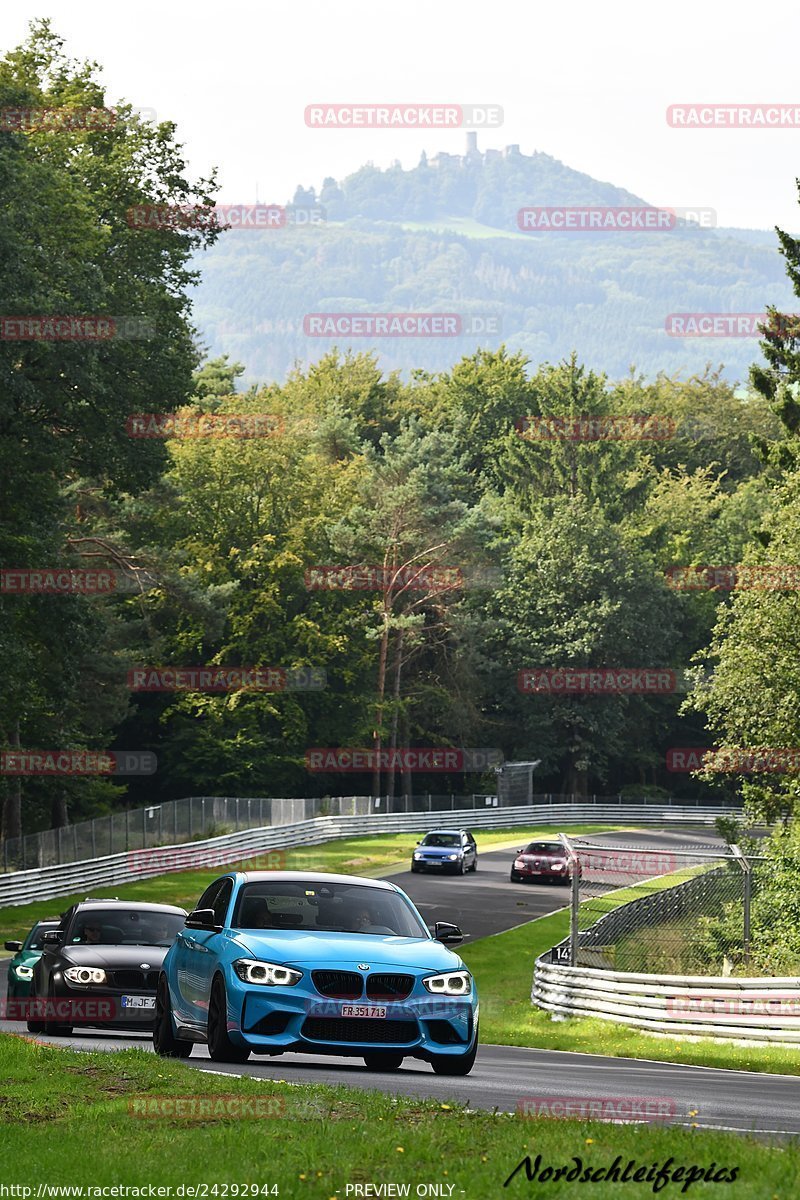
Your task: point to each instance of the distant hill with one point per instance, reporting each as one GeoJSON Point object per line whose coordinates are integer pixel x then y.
{"type": "Point", "coordinates": [444, 237]}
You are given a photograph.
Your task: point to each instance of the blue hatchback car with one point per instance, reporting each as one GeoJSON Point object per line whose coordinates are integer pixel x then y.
{"type": "Point", "coordinates": [277, 961]}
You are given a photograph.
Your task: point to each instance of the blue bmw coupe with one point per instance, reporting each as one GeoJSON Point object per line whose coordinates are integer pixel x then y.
{"type": "Point", "coordinates": [277, 961]}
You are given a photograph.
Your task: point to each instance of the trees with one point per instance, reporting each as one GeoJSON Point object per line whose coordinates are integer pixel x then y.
{"type": "Point", "coordinates": [68, 249]}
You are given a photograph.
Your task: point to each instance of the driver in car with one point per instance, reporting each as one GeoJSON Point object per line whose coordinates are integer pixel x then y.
{"type": "Point", "coordinates": [91, 934]}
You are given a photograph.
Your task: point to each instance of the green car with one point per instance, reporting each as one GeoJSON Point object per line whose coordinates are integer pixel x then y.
{"type": "Point", "coordinates": [26, 956]}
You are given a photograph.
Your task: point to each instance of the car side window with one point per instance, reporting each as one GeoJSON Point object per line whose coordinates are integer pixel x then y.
{"type": "Point", "coordinates": [209, 896]}
{"type": "Point", "coordinates": [221, 901]}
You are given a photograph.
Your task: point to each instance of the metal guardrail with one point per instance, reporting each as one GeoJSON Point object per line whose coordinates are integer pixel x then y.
{"type": "Point", "coordinates": [44, 883]}
{"type": "Point", "coordinates": [200, 817]}
{"type": "Point", "coordinates": [678, 1005]}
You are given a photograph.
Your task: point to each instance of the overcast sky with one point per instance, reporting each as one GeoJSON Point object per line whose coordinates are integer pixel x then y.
{"type": "Point", "coordinates": [588, 82]}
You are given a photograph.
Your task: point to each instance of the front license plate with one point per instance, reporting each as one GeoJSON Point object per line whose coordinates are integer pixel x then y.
{"type": "Point", "coordinates": [138, 1001]}
{"type": "Point", "coordinates": [376, 1011]}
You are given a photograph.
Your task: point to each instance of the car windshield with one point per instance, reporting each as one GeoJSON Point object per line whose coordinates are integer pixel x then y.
{"type": "Point", "coordinates": [124, 927]}
{"type": "Point", "coordinates": [325, 907]}
{"type": "Point", "coordinates": [34, 939]}
{"type": "Point", "coordinates": [441, 839]}
{"type": "Point", "coordinates": [544, 848]}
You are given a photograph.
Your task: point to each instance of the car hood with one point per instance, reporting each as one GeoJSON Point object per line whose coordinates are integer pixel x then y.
{"type": "Point", "coordinates": [438, 851]}
{"type": "Point", "coordinates": [26, 958]}
{"type": "Point", "coordinates": [298, 948]}
{"type": "Point", "coordinates": [114, 956]}
{"type": "Point", "coordinates": [546, 859]}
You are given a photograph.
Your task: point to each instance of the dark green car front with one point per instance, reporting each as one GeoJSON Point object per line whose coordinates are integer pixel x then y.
{"type": "Point", "coordinates": [26, 956]}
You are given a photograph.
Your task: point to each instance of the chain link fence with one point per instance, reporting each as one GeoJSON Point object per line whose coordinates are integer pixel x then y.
{"type": "Point", "coordinates": [683, 912]}
{"type": "Point", "coordinates": [197, 818]}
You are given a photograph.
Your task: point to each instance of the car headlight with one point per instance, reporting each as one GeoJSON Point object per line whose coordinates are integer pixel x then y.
{"type": "Point", "coordinates": [85, 975]}
{"type": "Point", "coordinates": [558, 866]}
{"type": "Point", "coordinates": [452, 857]}
{"type": "Point", "coordinates": [23, 972]}
{"type": "Point", "coordinates": [519, 862]}
{"type": "Point", "coordinates": [417, 854]}
{"type": "Point", "coordinates": [251, 970]}
{"type": "Point", "coordinates": [451, 983]}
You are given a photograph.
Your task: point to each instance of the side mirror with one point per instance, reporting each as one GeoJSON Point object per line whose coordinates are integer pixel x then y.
{"type": "Point", "coordinates": [419, 843]}
{"type": "Point", "coordinates": [14, 946]}
{"type": "Point", "coordinates": [52, 937]}
{"type": "Point", "coordinates": [445, 932]}
{"type": "Point", "coordinates": [202, 918]}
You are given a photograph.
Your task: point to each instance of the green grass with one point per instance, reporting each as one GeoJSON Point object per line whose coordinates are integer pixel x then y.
{"type": "Point", "coordinates": [369, 856]}
{"type": "Point", "coordinates": [71, 1119]}
{"type": "Point", "coordinates": [503, 969]}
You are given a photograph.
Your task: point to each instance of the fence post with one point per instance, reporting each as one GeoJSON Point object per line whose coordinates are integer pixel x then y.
{"type": "Point", "coordinates": [744, 863]}
{"type": "Point", "coordinates": [575, 898]}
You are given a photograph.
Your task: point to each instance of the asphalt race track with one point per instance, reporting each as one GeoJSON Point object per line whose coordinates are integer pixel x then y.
{"type": "Point", "coordinates": [503, 1076]}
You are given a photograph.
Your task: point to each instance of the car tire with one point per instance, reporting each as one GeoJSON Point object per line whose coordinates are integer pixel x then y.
{"type": "Point", "coordinates": [450, 1064]}
{"type": "Point", "coordinates": [514, 877]}
{"type": "Point", "coordinates": [220, 1046]}
{"type": "Point", "coordinates": [34, 1026]}
{"type": "Point", "coordinates": [461, 868]}
{"type": "Point", "coordinates": [474, 866]}
{"type": "Point", "coordinates": [165, 1044]}
{"type": "Point", "coordinates": [414, 868]}
{"type": "Point", "coordinates": [55, 1028]}
{"type": "Point", "coordinates": [383, 1061]}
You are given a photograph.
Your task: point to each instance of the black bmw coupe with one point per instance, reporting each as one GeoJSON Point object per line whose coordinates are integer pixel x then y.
{"type": "Point", "coordinates": [100, 966]}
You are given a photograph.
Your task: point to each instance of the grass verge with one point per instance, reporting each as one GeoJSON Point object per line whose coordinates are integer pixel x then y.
{"type": "Point", "coordinates": [72, 1119]}
{"type": "Point", "coordinates": [369, 856]}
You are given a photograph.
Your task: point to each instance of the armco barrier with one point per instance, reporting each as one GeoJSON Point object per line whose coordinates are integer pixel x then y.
{"type": "Point", "coordinates": [44, 883]}
{"type": "Point", "coordinates": [753, 1010]}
